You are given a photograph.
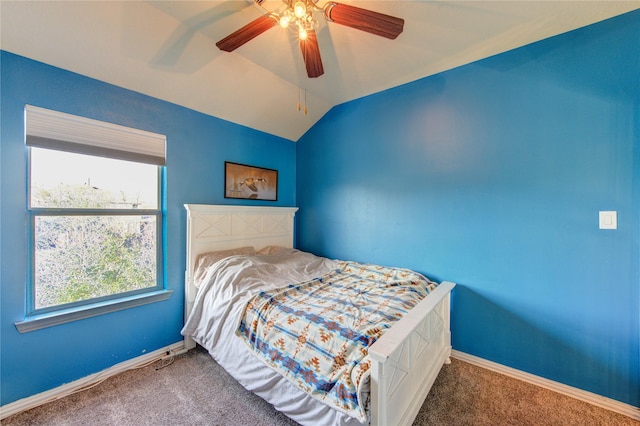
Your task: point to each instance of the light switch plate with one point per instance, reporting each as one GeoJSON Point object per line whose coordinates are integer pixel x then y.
{"type": "Point", "coordinates": [608, 220]}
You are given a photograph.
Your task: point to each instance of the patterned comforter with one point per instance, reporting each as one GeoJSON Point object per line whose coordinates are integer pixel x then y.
{"type": "Point", "coordinates": [317, 333]}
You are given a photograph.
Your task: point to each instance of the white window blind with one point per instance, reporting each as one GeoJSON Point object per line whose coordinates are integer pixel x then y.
{"type": "Point", "coordinates": [65, 132]}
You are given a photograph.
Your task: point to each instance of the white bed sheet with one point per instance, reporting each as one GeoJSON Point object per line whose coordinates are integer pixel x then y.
{"type": "Point", "coordinates": [227, 286]}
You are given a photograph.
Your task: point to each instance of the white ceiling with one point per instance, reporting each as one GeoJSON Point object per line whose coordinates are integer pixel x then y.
{"type": "Point", "coordinates": [166, 49]}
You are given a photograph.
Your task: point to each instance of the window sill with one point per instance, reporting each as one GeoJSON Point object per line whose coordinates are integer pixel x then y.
{"type": "Point", "coordinates": [37, 322]}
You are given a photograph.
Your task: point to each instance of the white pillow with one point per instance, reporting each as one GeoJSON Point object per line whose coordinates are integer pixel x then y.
{"type": "Point", "coordinates": [205, 260]}
{"type": "Point", "coordinates": [272, 250]}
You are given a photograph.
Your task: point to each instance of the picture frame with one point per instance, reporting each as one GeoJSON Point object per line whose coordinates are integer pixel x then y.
{"type": "Point", "coordinates": [250, 182]}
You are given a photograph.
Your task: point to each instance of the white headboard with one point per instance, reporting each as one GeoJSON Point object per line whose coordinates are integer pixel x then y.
{"type": "Point", "coordinates": [223, 227]}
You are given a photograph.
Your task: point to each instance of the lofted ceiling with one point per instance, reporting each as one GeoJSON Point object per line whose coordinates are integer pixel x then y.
{"type": "Point", "coordinates": [166, 49]}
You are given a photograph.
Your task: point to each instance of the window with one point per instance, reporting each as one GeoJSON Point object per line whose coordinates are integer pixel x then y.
{"type": "Point", "coordinates": [95, 213]}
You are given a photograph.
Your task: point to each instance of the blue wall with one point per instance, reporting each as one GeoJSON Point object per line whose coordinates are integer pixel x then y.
{"type": "Point", "coordinates": [492, 175]}
{"type": "Point", "coordinates": [197, 146]}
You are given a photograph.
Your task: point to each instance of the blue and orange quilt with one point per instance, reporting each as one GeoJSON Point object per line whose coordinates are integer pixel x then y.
{"type": "Point", "coordinates": [317, 333]}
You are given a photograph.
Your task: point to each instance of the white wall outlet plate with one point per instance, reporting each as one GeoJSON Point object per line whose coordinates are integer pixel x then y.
{"type": "Point", "coordinates": [608, 220]}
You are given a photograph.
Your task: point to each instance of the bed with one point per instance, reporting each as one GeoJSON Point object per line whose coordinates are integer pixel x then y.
{"type": "Point", "coordinates": [404, 361]}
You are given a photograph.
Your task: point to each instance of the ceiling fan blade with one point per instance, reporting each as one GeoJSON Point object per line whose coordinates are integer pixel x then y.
{"type": "Point", "coordinates": [311, 55]}
{"type": "Point", "coordinates": [246, 33]}
{"type": "Point", "coordinates": [364, 20]}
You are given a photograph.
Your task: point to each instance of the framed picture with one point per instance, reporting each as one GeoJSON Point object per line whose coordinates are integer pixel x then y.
{"type": "Point", "coordinates": [248, 182]}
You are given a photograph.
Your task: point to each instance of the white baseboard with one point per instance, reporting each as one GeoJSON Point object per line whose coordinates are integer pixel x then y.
{"type": "Point", "coordinates": [72, 387]}
{"type": "Point", "coordinates": [582, 395]}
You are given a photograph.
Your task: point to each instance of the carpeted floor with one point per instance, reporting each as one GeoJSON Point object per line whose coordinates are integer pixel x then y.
{"type": "Point", "coordinates": [194, 390]}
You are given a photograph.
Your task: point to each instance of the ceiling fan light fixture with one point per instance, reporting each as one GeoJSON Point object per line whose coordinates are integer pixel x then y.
{"type": "Point", "coordinates": [300, 10]}
{"type": "Point", "coordinates": [284, 20]}
{"type": "Point", "coordinates": [302, 33]}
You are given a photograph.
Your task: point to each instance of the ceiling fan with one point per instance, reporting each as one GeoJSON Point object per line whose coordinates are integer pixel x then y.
{"type": "Point", "coordinates": [299, 14]}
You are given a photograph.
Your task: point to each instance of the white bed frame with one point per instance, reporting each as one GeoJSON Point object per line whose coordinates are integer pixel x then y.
{"type": "Point", "coordinates": [405, 361]}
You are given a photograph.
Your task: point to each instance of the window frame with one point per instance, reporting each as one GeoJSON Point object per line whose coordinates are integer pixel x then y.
{"type": "Point", "coordinates": [37, 318]}
{"type": "Point", "coordinates": [35, 212]}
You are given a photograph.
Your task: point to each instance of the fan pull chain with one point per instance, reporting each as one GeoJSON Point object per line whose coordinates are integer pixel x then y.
{"type": "Point", "coordinates": [305, 99]}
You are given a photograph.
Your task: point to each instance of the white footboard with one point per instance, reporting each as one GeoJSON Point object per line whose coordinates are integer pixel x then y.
{"type": "Point", "coordinates": [407, 359]}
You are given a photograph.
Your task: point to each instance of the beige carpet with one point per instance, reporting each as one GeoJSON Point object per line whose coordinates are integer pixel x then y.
{"type": "Point", "coordinates": [194, 390]}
